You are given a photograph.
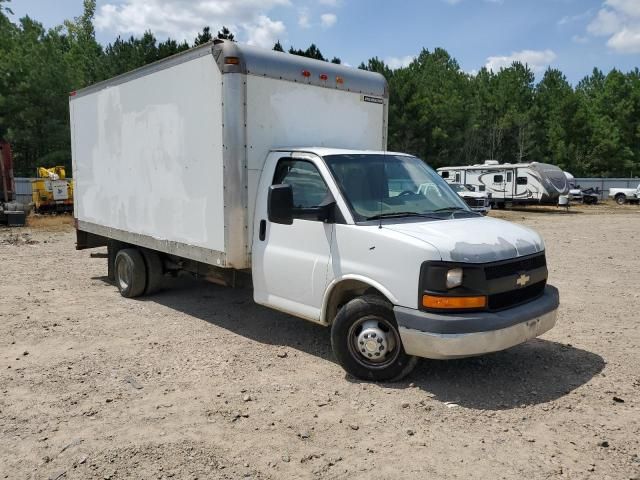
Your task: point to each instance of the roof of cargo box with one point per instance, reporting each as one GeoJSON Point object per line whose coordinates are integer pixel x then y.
{"type": "Point", "coordinates": [233, 57]}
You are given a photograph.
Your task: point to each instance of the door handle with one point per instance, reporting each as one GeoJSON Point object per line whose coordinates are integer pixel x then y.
{"type": "Point", "coordinates": [263, 230]}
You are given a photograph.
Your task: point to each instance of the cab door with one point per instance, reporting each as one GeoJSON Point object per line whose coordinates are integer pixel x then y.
{"type": "Point", "coordinates": [290, 262]}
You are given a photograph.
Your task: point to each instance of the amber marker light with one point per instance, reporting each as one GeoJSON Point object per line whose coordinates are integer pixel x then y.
{"type": "Point", "coordinates": [231, 61]}
{"type": "Point", "coordinates": [453, 303]}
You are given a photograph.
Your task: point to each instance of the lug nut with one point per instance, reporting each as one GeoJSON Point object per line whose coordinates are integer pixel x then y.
{"type": "Point", "coordinates": [379, 340]}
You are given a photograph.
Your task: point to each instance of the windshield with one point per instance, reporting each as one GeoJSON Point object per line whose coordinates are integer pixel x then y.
{"type": "Point", "coordinates": [376, 185]}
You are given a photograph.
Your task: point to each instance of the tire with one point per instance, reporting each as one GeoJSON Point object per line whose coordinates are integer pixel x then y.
{"type": "Point", "coordinates": [365, 323]}
{"type": "Point", "coordinates": [621, 199]}
{"type": "Point", "coordinates": [130, 273]}
{"type": "Point", "coordinates": [155, 272]}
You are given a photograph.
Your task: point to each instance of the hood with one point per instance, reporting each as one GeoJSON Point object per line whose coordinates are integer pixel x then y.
{"type": "Point", "coordinates": [472, 194]}
{"type": "Point", "coordinates": [474, 240]}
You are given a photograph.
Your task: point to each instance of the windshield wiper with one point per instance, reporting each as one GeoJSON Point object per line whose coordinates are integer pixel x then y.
{"type": "Point", "coordinates": [454, 210]}
{"type": "Point", "coordinates": [400, 215]}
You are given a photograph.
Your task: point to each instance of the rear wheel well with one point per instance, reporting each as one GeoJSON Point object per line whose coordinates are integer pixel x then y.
{"type": "Point", "coordinates": [344, 292]}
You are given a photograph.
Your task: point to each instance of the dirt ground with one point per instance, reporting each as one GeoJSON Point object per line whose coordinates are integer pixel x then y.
{"type": "Point", "coordinates": [198, 382]}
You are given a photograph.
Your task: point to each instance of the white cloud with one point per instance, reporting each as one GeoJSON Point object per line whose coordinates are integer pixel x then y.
{"type": "Point", "coordinates": [329, 3]}
{"type": "Point", "coordinates": [620, 21]}
{"type": "Point", "coordinates": [303, 18]}
{"type": "Point", "coordinates": [607, 22]}
{"type": "Point", "coordinates": [183, 19]}
{"type": "Point", "coordinates": [537, 60]}
{"type": "Point", "coordinates": [399, 62]}
{"type": "Point", "coordinates": [328, 20]}
{"type": "Point", "coordinates": [626, 41]}
{"type": "Point", "coordinates": [567, 19]}
{"type": "Point", "coordinates": [579, 39]}
{"type": "Point", "coordinates": [265, 32]}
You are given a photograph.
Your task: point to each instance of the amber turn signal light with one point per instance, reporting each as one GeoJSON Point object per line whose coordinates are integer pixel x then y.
{"type": "Point", "coordinates": [452, 303]}
{"type": "Point", "coordinates": [231, 60]}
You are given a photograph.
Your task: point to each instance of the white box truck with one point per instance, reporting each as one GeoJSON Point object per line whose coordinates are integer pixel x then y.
{"type": "Point", "coordinates": [247, 166]}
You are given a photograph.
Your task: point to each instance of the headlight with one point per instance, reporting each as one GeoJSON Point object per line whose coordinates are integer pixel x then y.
{"type": "Point", "coordinates": [454, 278]}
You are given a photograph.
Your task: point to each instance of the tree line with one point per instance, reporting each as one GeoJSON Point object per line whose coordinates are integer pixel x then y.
{"type": "Point", "coordinates": [437, 111]}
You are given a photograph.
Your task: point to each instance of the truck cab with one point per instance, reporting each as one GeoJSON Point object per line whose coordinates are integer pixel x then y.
{"type": "Point", "coordinates": [377, 246]}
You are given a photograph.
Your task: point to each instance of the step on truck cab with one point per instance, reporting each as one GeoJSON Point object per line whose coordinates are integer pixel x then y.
{"type": "Point", "coordinates": [263, 169]}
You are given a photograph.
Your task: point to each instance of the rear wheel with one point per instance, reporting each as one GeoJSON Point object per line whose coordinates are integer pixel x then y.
{"type": "Point", "coordinates": [155, 272]}
{"type": "Point", "coordinates": [621, 199]}
{"type": "Point", "coordinates": [366, 341]}
{"type": "Point", "coordinates": [130, 272]}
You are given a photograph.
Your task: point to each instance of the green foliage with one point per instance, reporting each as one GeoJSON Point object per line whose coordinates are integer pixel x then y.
{"type": "Point", "coordinates": [448, 117]}
{"type": "Point", "coordinates": [437, 111]}
{"type": "Point", "coordinates": [203, 37]}
{"type": "Point", "coordinates": [312, 52]}
{"type": "Point", "coordinates": [225, 34]}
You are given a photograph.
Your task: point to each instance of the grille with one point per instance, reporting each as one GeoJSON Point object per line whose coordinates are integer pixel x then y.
{"type": "Point", "coordinates": [475, 202]}
{"type": "Point", "coordinates": [512, 268]}
{"type": "Point", "coordinates": [512, 298]}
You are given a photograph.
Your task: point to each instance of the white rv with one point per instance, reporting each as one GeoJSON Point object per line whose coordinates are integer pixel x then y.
{"type": "Point", "coordinates": [522, 183]}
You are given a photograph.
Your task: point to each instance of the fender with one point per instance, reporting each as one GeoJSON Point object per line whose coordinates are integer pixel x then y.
{"type": "Point", "coordinates": [360, 278]}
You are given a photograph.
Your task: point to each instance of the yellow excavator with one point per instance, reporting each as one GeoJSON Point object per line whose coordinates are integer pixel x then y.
{"type": "Point", "coordinates": [52, 191]}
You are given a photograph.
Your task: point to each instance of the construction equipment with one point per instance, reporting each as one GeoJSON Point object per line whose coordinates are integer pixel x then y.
{"type": "Point", "coordinates": [52, 191]}
{"type": "Point", "coordinates": [12, 213]}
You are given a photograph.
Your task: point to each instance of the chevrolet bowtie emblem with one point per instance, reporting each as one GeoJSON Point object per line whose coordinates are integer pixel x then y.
{"type": "Point", "coordinates": [523, 280]}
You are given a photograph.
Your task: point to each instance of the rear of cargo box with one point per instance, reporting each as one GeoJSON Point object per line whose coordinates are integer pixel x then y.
{"type": "Point", "coordinates": [148, 158]}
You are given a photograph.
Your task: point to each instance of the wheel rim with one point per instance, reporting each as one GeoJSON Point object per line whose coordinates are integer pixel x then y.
{"type": "Point", "coordinates": [124, 275]}
{"type": "Point", "coordinates": [374, 342]}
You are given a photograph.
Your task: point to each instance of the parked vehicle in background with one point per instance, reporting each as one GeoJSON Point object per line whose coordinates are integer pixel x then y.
{"type": "Point", "coordinates": [512, 183]}
{"type": "Point", "coordinates": [625, 195]}
{"type": "Point", "coordinates": [205, 168]}
{"type": "Point", "coordinates": [588, 196]}
{"type": "Point", "coordinates": [12, 213]}
{"type": "Point", "coordinates": [52, 191]}
{"type": "Point", "coordinates": [477, 201]}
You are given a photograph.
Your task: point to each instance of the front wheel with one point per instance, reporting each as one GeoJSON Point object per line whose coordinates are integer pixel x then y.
{"type": "Point", "coordinates": [366, 341]}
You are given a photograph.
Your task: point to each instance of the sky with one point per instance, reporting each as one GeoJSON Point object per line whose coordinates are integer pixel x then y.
{"type": "Point", "coordinates": [572, 35]}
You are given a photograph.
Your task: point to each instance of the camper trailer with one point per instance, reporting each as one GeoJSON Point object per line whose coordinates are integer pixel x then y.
{"type": "Point", "coordinates": [512, 183]}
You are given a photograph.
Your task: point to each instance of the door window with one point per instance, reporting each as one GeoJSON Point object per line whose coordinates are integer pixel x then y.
{"type": "Point", "coordinates": [509, 177]}
{"type": "Point", "coordinates": [308, 186]}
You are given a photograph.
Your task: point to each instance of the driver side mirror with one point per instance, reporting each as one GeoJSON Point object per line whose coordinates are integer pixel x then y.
{"type": "Point", "coordinates": [280, 204]}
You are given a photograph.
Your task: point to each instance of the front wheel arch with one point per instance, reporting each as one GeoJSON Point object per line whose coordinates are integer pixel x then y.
{"type": "Point", "coordinates": [341, 291]}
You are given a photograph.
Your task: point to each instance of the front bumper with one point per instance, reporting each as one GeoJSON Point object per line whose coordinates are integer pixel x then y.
{"type": "Point", "coordinates": [445, 336]}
